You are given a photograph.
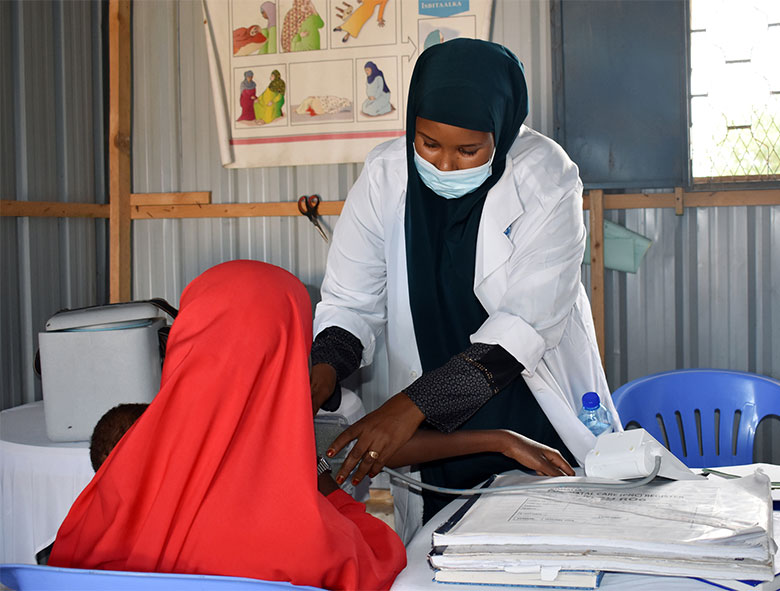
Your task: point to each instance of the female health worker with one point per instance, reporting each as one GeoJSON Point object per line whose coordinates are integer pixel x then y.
{"type": "Point", "coordinates": [462, 241]}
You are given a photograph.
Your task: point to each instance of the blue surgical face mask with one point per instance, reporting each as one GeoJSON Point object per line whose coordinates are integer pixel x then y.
{"type": "Point", "coordinates": [452, 184]}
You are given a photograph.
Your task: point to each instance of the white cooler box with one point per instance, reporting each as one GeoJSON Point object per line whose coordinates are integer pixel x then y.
{"type": "Point", "coordinates": [95, 358]}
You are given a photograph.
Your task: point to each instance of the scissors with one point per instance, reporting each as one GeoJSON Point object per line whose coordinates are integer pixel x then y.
{"type": "Point", "coordinates": [308, 207]}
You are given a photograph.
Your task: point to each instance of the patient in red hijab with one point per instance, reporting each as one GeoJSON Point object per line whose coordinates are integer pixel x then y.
{"type": "Point", "coordinates": [218, 476]}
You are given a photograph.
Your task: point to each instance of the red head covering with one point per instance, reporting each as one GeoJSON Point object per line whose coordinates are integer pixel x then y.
{"type": "Point", "coordinates": [218, 475]}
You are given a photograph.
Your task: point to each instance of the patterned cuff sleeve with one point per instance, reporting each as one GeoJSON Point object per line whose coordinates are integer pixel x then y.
{"type": "Point", "coordinates": [452, 393]}
{"type": "Point", "coordinates": [339, 348]}
{"type": "Point", "coordinates": [496, 364]}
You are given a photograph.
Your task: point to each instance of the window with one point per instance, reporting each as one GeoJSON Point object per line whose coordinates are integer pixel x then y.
{"type": "Point", "coordinates": [655, 94]}
{"type": "Point", "coordinates": [735, 90]}
{"type": "Point", "coordinates": [620, 86]}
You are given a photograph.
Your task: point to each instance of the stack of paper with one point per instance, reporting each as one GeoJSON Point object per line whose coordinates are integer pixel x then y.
{"type": "Point", "coordinates": [710, 529]}
{"type": "Point", "coordinates": [535, 577]}
{"type": "Point", "coordinates": [774, 584]}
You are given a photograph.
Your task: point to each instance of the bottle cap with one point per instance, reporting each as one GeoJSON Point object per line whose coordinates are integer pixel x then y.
{"type": "Point", "coordinates": [590, 400]}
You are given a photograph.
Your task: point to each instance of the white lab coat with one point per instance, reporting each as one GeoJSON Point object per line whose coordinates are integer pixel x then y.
{"type": "Point", "coordinates": [527, 277]}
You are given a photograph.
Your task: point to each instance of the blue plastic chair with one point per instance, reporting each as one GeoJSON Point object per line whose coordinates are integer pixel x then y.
{"type": "Point", "coordinates": [23, 577]}
{"type": "Point", "coordinates": [705, 417]}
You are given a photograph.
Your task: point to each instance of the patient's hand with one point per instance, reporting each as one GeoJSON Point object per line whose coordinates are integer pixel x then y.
{"type": "Point", "coordinates": [541, 458]}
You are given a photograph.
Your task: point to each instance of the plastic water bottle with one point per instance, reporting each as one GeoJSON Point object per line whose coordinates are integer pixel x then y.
{"type": "Point", "coordinates": [593, 414]}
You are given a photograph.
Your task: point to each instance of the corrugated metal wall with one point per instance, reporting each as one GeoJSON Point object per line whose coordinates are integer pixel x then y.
{"type": "Point", "coordinates": [51, 132]}
{"type": "Point", "coordinates": [704, 296]}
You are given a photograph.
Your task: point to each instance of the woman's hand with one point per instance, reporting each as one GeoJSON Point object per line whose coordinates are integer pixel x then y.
{"type": "Point", "coordinates": [322, 382]}
{"type": "Point", "coordinates": [545, 460]}
{"type": "Point", "coordinates": [379, 435]}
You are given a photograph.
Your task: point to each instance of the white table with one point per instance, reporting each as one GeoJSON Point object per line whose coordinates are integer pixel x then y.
{"type": "Point", "coordinates": [39, 480]}
{"type": "Point", "coordinates": [418, 574]}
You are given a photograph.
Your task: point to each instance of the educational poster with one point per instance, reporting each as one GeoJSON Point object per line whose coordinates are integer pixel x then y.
{"type": "Point", "coordinates": [321, 81]}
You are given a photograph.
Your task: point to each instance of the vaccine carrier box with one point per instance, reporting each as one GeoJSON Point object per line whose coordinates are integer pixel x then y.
{"type": "Point", "coordinates": [95, 358]}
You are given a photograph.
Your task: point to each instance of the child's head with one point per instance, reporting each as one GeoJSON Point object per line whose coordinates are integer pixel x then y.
{"type": "Point", "coordinates": [110, 429]}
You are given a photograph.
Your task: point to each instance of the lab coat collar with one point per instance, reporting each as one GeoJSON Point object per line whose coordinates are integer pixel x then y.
{"type": "Point", "coordinates": [502, 208]}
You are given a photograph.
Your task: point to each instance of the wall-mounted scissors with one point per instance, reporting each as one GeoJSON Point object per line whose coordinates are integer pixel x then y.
{"type": "Point", "coordinates": [308, 205]}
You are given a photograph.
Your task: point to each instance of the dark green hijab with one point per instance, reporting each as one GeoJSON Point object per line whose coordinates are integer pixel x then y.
{"type": "Point", "coordinates": [476, 85]}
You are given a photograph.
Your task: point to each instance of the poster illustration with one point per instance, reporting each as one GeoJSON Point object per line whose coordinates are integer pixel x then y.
{"type": "Point", "coordinates": [321, 81]}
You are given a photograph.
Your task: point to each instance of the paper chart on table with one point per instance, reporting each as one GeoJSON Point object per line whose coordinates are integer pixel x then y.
{"type": "Point", "coordinates": [722, 527]}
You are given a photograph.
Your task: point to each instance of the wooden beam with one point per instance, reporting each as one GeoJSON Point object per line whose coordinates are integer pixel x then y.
{"type": "Point", "coordinates": [231, 210]}
{"type": "Point", "coordinates": [197, 204]}
{"type": "Point", "coordinates": [190, 198]}
{"type": "Point", "coordinates": [597, 266]}
{"type": "Point", "coordinates": [738, 198]}
{"type": "Point", "coordinates": [632, 200]}
{"type": "Point", "coordinates": [59, 209]}
{"type": "Point", "coordinates": [162, 205]}
{"type": "Point", "coordinates": [120, 174]}
{"type": "Point", "coordinates": [639, 201]}
{"type": "Point", "coordinates": [732, 198]}
{"type": "Point", "coordinates": [679, 201]}
{"type": "Point", "coordinates": [52, 209]}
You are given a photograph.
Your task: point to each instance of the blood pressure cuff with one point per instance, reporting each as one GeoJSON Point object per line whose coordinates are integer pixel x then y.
{"type": "Point", "coordinates": [449, 395]}
{"type": "Point", "coordinates": [341, 350]}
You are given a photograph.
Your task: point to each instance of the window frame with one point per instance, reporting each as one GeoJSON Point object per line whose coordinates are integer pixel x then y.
{"type": "Point", "coordinates": [682, 177]}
